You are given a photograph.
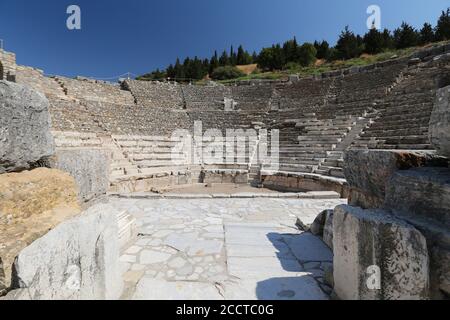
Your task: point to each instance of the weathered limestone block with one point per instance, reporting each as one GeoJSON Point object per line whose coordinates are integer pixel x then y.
{"type": "Point", "coordinates": [367, 172]}
{"type": "Point", "coordinates": [421, 192]}
{"type": "Point", "coordinates": [78, 260]}
{"type": "Point", "coordinates": [440, 122]}
{"type": "Point", "coordinates": [25, 137]}
{"type": "Point", "coordinates": [31, 204]}
{"type": "Point", "coordinates": [367, 238]}
{"type": "Point", "coordinates": [89, 167]}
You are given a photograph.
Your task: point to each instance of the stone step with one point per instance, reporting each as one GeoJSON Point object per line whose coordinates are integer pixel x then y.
{"type": "Point", "coordinates": [399, 124]}
{"type": "Point", "coordinates": [401, 139]}
{"type": "Point", "coordinates": [403, 132]}
{"type": "Point", "coordinates": [402, 146]}
{"type": "Point", "coordinates": [292, 167]}
{"type": "Point", "coordinates": [412, 116]}
{"type": "Point", "coordinates": [298, 161]}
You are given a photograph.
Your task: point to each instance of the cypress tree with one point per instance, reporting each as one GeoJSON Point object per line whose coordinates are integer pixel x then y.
{"type": "Point", "coordinates": [213, 63]}
{"type": "Point", "coordinates": [224, 59]}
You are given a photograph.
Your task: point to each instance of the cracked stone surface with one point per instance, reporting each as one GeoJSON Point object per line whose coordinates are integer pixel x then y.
{"type": "Point", "coordinates": [203, 249]}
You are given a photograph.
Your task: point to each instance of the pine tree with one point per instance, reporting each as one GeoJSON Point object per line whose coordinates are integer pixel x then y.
{"type": "Point", "coordinates": [171, 71]}
{"type": "Point", "coordinates": [323, 50]}
{"type": "Point", "coordinates": [265, 59]}
{"type": "Point", "coordinates": [443, 26]}
{"type": "Point", "coordinates": [373, 41]}
{"type": "Point", "coordinates": [348, 45]}
{"type": "Point", "coordinates": [388, 40]}
{"type": "Point", "coordinates": [406, 36]}
{"type": "Point", "coordinates": [426, 34]}
{"type": "Point", "coordinates": [179, 70]}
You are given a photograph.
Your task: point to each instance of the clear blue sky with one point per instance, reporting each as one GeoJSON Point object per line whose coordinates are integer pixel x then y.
{"type": "Point", "coordinates": [141, 35]}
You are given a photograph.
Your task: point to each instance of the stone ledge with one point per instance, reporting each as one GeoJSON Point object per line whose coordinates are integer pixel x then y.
{"type": "Point", "coordinates": [313, 176]}
{"type": "Point", "coordinates": [297, 181]}
{"type": "Point", "coordinates": [368, 171]}
{"type": "Point", "coordinates": [243, 195]}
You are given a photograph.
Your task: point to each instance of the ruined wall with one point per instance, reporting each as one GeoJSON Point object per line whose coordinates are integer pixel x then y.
{"type": "Point", "coordinates": [252, 97]}
{"type": "Point", "coordinates": [36, 79]}
{"type": "Point", "coordinates": [205, 97]}
{"type": "Point", "coordinates": [156, 94]}
{"type": "Point", "coordinates": [93, 90]}
{"type": "Point", "coordinates": [7, 65]}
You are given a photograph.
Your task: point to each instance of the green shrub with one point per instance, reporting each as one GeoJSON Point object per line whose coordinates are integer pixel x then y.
{"type": "Point", "coordinates": [292, 67]}
{"type": "Point", "coordinates": [226, 73]}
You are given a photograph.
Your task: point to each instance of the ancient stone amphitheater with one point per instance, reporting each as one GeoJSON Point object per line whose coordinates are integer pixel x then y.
{"type": "Point", "coordinates": [351, 201]}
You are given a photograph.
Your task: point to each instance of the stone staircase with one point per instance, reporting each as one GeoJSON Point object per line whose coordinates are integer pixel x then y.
{"type": "Point", "coordinates": [404, 115]}
{"type": "Point", "coordinates": [121, 165]}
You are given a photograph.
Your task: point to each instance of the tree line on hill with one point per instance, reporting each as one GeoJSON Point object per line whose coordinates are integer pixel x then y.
{"type": "Point", "coordinates": [291, 53]}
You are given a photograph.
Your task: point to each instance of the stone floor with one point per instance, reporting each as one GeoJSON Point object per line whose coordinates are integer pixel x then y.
{"type": "Point", "coordinates": [204, 249]}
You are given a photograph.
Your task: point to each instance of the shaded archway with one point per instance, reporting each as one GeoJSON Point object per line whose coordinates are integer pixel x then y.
{"type": "Point", "coordinates": [1, 71]}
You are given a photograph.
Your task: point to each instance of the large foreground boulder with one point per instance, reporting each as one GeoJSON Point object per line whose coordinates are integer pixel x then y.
{"type": "Point", "coordinates": [89, 167]}
{"type": "Point", "coordinates": [440, 122]}
{"type": "Point", "coordinates": [31, 204]}
{"type": "Point", "coordinates": [378, 256]}
{"type": "Point", "coordinates": [368, 171]}
{"type": "Point", "coordinates": [25, 137]}
{"type": "Point", "coordinates": [79, 259]}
